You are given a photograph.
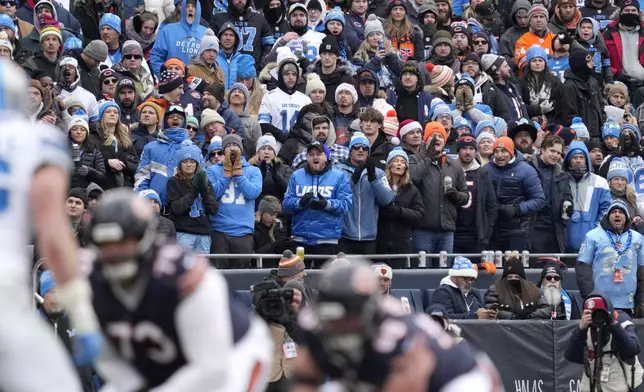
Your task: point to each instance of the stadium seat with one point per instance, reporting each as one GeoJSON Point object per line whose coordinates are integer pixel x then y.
{"type": "Point", "coordinates": [427, 297]}
{"type": "Point", "coordinates": [413, 295]}
{"type": "Point", "coordinates": [578, 299]}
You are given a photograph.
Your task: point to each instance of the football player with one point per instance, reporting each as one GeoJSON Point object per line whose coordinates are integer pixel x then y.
{"type": "Point", "coordinates": [34, 181]}
{"type": "Point", "coordinates": [168, 321]}
{"type": "Point", "coordinates": [368, 342]}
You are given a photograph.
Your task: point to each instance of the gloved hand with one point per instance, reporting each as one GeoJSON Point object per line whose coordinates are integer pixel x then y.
{"type": "Point", "coordinates": [355, 177]}
{"type": "Point", "coordinates": [452, 195]}
{"type": "Point", "coordinates": [319, 203]}
{"type": "Point", "coordinates": [525, 312]}
{"type": "Point", "coordinates": [390, 210]}
{"type": "Point", "coordinates": [459, 99]}
{"type": "Point", "coordinates": [508, 211]}
{"type": "Point", "coordinates": [235, 158]}
{"type": "Point", "coordinates": [304, 201]}
{"type": "Point", "coordinates": [82, 171]}
{"type": "Point", "coordinates": [200, 181]}
{"type": "Point", "coordinates": [371, 170]}
{"type": "Point", "coordinates": [570, 209]}
{"type": "Point", "coordinates": [468, 98]}
{"type": "Point", "coordinates": [228, 164]}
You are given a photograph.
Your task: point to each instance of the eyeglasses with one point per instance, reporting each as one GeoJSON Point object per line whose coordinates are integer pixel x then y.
{"type": "Point", "coordinates": [361, 148]}
{"type": "Point", "coordinates": [6, 3]}
{"type": "Point", "coordinates": [109, 81]}
{"type": "Point", "coordinates": [192, 128]}
{"type": "Point", "coordinates": [133, 56]}
{"type": "Point", "coordinates": [553, 277]}
{"type": "Point", "coordinates": [480, 42]}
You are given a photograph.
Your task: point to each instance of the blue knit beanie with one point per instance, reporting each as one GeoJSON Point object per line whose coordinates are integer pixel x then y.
{"type": "Point", "coordinates": [112, 21]}
{"type": "Point", "coordinates": [484, 124]}
{"type": "Point", "coordinates": [359, 138]}
{"type": "Point", "coordinates": [104, 106]}
{"type": "Point", "coordinates": [580, 128]}
{"type": "Point", "coordinates": [536, 52]}
{"type": "Point", "coordinates": [246, 67]}
{"type": "Point", "coordinates": [397, 152]}
{"type": "Point", "coordinates": [47, 283]}
{"type": "Point", "coordinates": [460, 122]}
{"type": "Point", "coordinates": [334, 14]}
{"type": "Point", "coordinates": [6, 21]}
{"type": "Point", "coordinates": [500, 126]}
{"type": "Point", "coordinates": [150, 195]}
{"type": "Point", "coordinates": [618, 168]}
{"type": "Point", "coordinates": [610, 128]}
{"type": "Point", "coordinates": [189, 151]}
{"type": "Point", "coordinates": [634, 128]}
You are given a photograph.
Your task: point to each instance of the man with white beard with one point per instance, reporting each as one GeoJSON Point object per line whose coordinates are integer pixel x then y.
{"type": "Point", "coordinates": [563, 305]}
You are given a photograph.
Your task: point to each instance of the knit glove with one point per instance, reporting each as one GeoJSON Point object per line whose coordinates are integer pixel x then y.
{"type": "Point", "coordinates": [318, 204]}
{"type": "Point", "coordinates": [452, 195]}
{"type": "Point", "coordinates": [82, 171]}
{"type": "Point", "coordinates": [371, 170]}
{"type": "Point", "coordinates": [459, 98]}
{"type": "Point", "coordinates": [237, 163]}
{"type": "Point", "coordinates": [357, 172]}
{"type": "Point", "coordinates": [228, 164]}
{"type": "Point", "coordinates": [468, 98]}
{"type": "Point", "coordinates": [508, 211]}
{"type": "Point", "coordinates": [200, 181]}
{"type": "Point", "coordinates": [306, 199]}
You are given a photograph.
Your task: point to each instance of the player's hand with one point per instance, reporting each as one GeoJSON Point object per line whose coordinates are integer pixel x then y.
{"type": "Point", "coordinates": [586, 319]}
{"type": "Point", "coordinates": [88, 348]}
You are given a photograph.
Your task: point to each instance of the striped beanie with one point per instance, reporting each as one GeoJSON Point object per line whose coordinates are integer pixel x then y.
{"type": "Point", "coordinates": [290, 265]}
{"type": "Point", "coordinates": [440, 75]}
{"type": "Point", "coordinates": [51, 31]}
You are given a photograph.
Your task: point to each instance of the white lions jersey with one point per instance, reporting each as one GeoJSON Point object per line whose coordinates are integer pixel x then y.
{"type": "Point", "coordinates": [281, 109]}
{"type": "Point", "coordinates": [24, 147]}
{"type": "Point", "coordinates": [309, 44]}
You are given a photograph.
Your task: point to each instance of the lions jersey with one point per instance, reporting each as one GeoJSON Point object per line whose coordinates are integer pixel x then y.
{"type": "Point", "coordinates": [24, 148]}
{"type": "Point", "coordinates": [281, 109]}
{"type": "Point", "coordinates": [141, 324]}
{"type": "Point", "coordinates": [395, 332]}
{"type": "Point", "coordinates": [308, 44]}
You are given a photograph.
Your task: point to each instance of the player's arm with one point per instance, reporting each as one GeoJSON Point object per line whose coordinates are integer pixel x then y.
{"type": "Point", "coordinates": [308, 376]}
{"type": "Point", "coordinates": [49, 187]}
{"type": "Point", "coordinates": [119, 374]}
{"type": "Point", "coordinates": [203, 324]}
{"type": "Point", "coordinates": [412, 370]}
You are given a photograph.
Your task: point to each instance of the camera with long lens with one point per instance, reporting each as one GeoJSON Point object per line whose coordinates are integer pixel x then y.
{"type": "Point", "coordinates": [271, 300]}
{"type": "Point", "coordinates": [600, 315]}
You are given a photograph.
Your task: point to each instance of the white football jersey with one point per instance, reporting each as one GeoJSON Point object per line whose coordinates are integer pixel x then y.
{"type": "Point", "coordinates": [308, 44]}
{"type": "Point", "coordinates": [24, 148]}
{"type": "Point", "coordinates": [281, 109]}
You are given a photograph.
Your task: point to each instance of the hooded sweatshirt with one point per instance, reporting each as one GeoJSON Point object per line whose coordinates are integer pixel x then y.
{"type": "Point", "coordinates": [88, 99]}
{"type": "Point", "coordinates": [596, 46]}
{"type": "Point", "coordinates": [180, 40]}
{"type": "Point", "coordinates": [509, 39]}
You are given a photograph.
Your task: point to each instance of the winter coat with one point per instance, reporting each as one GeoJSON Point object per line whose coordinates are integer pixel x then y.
{"type": "Point", "coordinates": [361, 223]}
{"type": "Point", "coordinates": [163, 8]}
{"type": "Point", "coordinates": [597, 251]}
{"type": "Point", "coordinates": [517, 184]}
{"type": "Point", "coordinates": [601, 58]}
{"type": "Point", "coordinates": [275, 178]}
{"type": "Point", "coordinates": [87, 14]}
{"type": "Point", "coordinates": [143, 81]}
{"type": "Point", "coordinates": [458, 305]}
{"type": "Point", "coordinates": [88, 76]}
{"type": "Point", "coordinates": [581, 98]}
{"type": "Point", "coordinates": [587, 213]}
{"type": "Point", "coordinates": [140, 137]}
{"type": "Point", "coordinates": [423, 98]}
{"type": "Point", "coordinates": [228, 63]}
{"type": "Point", "coordinates": [26, 12]}
{"type": "Point", "coordinates": [188, 209]}
{"type": "Point", "coordinates": [428, 176]}
{"type": "Point", "coordinates": [38, 62]}
{"type": "Point", "coordinates": [159, 161]}
{"type": "Point", "coordinates": [541, 94]}
{"type": "Point", "coordinates": [92, 158]}
{"type": "Point", "coordinates": [343, 74]}
{"type": "Point", "coordinates": [211, 75]}
{"type": "Point", "coordinates": [265, 244]}
{"type": "Point", "coordinates": [113, 178]}
{"type": "Point", "coordinates": [252, 132]}
{"type": "Point", "coordinates": [354, 30]}
{"type": "Point", "coordinates": [486, 206]}
{"type": "Point", "coordinates": [411, 46]}
{"type": "Point", "coordinates": [317, 227]}
{"type": "Point", "coordinates": [299, 138]}
{"type": "Point", "coordinates": [614, 46]}
{"type": "Point", "coordinates": [233, 123]}
{"type": "Point", "coordinates": [380, 149]}
{"type": "Point", "coordinates": [560, 192]}
{"type": "Point", "coordinates": [396, 219]}
{"type": "Point", "coordinates": [236, 197]}
{"type": "Point", "coordinates": [180, 40]}
{"type": "Point", "coordinates": [386, 70]}
{"type": "Point", "coordinates": [509, 39]}
{"type": "Point", "coordinates": [487, 93]}
{"type": "Point", "coordinates": [252, 24]}
{"type": "Point", "coordinates": [538, 311]}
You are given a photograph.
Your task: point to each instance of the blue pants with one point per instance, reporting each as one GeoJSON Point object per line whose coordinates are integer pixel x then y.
{"type": "Point", "coordinates": [196, 242]}
{"type": "Point", "coordinates": [432, 242]}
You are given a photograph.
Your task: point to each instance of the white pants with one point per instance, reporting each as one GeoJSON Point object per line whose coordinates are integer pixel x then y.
{"type": "Point", "coordinates": [30, 358]}
{"type": "Point", "coordinates": [251, 360]}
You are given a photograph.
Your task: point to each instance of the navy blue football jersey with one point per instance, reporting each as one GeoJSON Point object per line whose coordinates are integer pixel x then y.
{"type": "Point", "coordinates": [394, 334]}
{"type": "Point", "coordinates": [141, 326]}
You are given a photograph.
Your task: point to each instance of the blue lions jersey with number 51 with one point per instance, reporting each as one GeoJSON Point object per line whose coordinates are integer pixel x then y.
{"type": "Point", "coordinates": [236, 198]}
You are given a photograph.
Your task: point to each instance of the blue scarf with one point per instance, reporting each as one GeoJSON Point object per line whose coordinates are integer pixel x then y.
{"type": "Point", "coordinates": [567, 303]}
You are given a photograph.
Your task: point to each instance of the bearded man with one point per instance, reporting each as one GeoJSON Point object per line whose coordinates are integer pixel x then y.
{"type": "Point", "coordinates": [562, 305]}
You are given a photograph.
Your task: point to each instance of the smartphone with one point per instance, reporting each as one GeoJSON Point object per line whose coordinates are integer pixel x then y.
{"type": "Point", "coordinates": [381, 45]}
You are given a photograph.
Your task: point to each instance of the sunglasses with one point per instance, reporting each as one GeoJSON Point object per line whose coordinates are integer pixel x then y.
{"type": "Point", "coordinates": [218, 153]}
{"type": "Point", "coordinates": [361, 148]}
{"type": "Point", "coordinates": [553, 278]}
{"type": "Point", "coordinates": [480, 42]}
{"type": "Point", "coordinates": [8, 3]}
{"type": "Point", "coordinates": [133, 56]}
{"type": "Point", "coordinates": [192, 128]}
{"type": "Point", "coordinates": [109, 81]}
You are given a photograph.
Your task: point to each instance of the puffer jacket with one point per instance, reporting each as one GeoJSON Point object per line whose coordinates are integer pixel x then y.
{"type": "Point", "coordinates": [396, 219]}
{"type": "Point", "coordinates": [535, 311]}
{"type": "Point", "coordinates": [354, 30]}
{"type": "Point", "coordinates": [380, 150]}
{"type": "Point", "coordinates": [113, 178]}
{"type": "Point", "coordinates": [316, 227]}
{"type": "Point", "coordinates": [93, 159]}
{"type": "Point", "coordinates": [457, 304]}
{"type": "Point", "coordinates": [361, 223]}
{"type": "Point", "coordinates": [516, 183]}
{"type": "Point", "coordinates": [581, 98]}
{"type": "Point", "coordinates": [428, 176]}
{"type": "Point", "coordinates": [343, 74]}
{"type": "Point", "coordinates": [159, 161]}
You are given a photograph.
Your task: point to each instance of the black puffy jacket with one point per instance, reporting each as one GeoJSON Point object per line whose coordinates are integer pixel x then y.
{"type": "Point", "coordinates": [539, 310]}
{"type": "Point", "coordinates": [93, 159]}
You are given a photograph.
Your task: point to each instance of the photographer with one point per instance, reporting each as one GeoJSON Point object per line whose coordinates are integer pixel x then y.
{"type": "Point", "coordinates": [611, 364]}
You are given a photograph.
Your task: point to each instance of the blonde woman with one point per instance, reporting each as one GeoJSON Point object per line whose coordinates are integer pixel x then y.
{"type": "Point", "coordinates": [247, 75]}
{"type": "Point", "coordinates": [396, 219]}
{"type": "Point", "coordinates": [485, 147]}
{"type": "Point", "coordinates": [113, 141]}
{"type": "Point", "coordinates": [618, 181]}
{"type": "Point", "coordinates": [405, 37]}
